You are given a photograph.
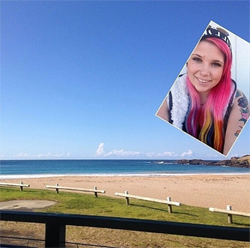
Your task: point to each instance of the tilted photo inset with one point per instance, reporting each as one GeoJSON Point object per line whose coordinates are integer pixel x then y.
{"type": "Point", "coordinates": [209, 98]}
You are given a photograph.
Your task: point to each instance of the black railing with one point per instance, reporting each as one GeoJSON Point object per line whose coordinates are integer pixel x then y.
{"type": "Point", "coordinates": [55, 225]}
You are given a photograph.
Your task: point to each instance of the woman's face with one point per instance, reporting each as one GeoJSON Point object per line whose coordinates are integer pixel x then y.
{"type": "Point", "coordinates": [205, 67]}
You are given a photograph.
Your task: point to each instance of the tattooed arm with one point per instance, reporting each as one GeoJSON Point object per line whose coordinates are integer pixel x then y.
{"type": "Point", "coordinates": [237, 119]}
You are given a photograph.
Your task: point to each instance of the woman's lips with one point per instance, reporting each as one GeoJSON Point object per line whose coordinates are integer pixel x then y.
{"type": "Point", "coordinates": [203, 81]}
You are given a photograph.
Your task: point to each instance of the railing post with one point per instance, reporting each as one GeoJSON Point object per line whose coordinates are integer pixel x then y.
{"type": "Point", "coordinates": [54, 235]}
{"type": "Point", "coordinates": [21, 187]}
{"type": "Point", "coordinates": [127, 198]}
{"type": "Point", "coordinates": [169, 205]}
{"type": "Point", "coordinates": [57, 190]}
{"type": "Point", "coordinates": [95, 188]}
{"type": "Point", "coordinates": [230, 216]}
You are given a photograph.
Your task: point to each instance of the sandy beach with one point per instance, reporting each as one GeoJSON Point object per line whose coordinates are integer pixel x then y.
{"type": "Point", "coordinates": [195, 190]}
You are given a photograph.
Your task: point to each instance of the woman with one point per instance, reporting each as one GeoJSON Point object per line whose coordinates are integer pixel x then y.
{"type": "Point", "coordinates": [205, 101]}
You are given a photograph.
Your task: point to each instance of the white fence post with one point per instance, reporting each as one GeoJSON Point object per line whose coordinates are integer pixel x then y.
{"type": "Point", "coordinates": [127, 199]}
{"type": "Point", "coordinates": [230, 216]}
{"type": "Point", "coordinates": [95, 188]}
{"type": "Point", "coordinates": [21, 186]}
{"type": "Point", "coordinates": [169, 205]}
{"type": "Point", "coordinates": [57, 190]}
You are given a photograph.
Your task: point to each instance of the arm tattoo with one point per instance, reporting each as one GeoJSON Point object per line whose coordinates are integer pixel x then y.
{"type": "Point", "coordinates": [244, 109]}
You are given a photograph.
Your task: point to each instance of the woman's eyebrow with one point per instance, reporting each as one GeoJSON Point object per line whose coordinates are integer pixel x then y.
{"type": "Point", "coordinates": [196, 54]}
{"type": "Point", "coordinates": [216, 60]}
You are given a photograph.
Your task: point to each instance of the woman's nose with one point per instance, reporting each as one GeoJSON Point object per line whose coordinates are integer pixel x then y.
{"type": "Point", "coordinates": [204, 70]}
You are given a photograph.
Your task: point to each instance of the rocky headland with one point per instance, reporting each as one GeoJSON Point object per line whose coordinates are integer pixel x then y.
{"type": "Point", "coordinates": [243, 162]}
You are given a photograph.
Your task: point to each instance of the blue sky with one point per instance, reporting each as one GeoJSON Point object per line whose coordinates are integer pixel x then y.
{"type": "Point", "coordinates": [84, 79]}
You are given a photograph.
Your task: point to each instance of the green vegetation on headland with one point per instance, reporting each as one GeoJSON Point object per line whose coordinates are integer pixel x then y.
{"type": "Point", "coordinates": [87, 204]}
{"type": "Point", "coordinates": [243, 162]}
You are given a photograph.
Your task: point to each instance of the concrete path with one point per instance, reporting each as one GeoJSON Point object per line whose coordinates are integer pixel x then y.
{"type": "Point", "coordinates": [25, 204]}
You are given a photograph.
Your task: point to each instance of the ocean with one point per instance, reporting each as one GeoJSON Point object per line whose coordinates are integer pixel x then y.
{"type": "Point", "coordinates": [11, 169]}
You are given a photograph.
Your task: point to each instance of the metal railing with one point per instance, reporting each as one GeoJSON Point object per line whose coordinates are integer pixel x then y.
{"type": "Point", "coordinates": [55, 226]}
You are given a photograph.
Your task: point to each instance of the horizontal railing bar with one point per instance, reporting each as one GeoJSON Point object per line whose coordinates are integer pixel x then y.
{"type": "Point", "coordinates": [77, 189]}
{"type": "Point", "coordinates": [148, 199]}
{"type": "Point", "coordinates": [14, 184]}
{"type": "Point", "coordinates": [229, 212]}
{"type": "Point", "coordinates": [176, 228]}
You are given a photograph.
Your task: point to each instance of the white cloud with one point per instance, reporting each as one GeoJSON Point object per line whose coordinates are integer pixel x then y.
{"type": "Point", "coordinates": [151, 154]}
{"type": "Point", "coordinates": [100, 150]}
{"type": "Point", "coordinates": [122, 153]}
{"type": "Point", "coordinates": [162, 155]}
{"type": "Point", "coordinates": [188, 153]}
{"type": "Point", "coordinates": [170, 154]}
{"type": "Point", "coordinates": [41, 155]}
{"type": "Point", "coordinates": [23, 155]}
{"type": "Point", "coordinates": [117, 153]}
{"type": "Point", "coordinates": [213, 156]}
{"type": "Point", "coordinates": [50, 155]}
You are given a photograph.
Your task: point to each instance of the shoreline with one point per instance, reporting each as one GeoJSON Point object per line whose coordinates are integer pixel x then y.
{"type": "Point", "coordinates": [6, 177]}
{"type": "Point", "coordinates": [201, 190]}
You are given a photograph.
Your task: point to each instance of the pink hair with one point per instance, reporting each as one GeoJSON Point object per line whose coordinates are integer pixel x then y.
{"type": "Point", "coordinates": [206, 122]}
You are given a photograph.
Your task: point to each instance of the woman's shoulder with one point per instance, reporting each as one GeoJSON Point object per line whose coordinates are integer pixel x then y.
{"type": "Point", "coordinates": [240, 99]}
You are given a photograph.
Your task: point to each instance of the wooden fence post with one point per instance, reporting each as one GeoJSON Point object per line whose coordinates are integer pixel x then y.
{"type": "Point", "coordinates": [169, 205]}
{"type": "Point", "coordinates": [127, 198]}
{"type": "Point", "coordinates": [230, 216]}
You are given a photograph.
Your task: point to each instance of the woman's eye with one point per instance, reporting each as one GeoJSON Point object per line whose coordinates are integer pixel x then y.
{"type": "Point", "coordinates": [196, 59]}
{"type": "Point", "coordinates": [216, 64]}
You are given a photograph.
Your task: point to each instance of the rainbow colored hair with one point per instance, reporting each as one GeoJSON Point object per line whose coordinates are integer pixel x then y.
{"type": "Point", "coordinates": [207, 122]}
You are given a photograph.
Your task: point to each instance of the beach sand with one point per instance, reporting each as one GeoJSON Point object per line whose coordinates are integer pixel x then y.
{"type": "Point", "coordinates": [216, 191]}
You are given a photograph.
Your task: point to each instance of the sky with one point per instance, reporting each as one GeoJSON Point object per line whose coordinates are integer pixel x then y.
{"type": "Point", "coordinates": [84, 79]}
